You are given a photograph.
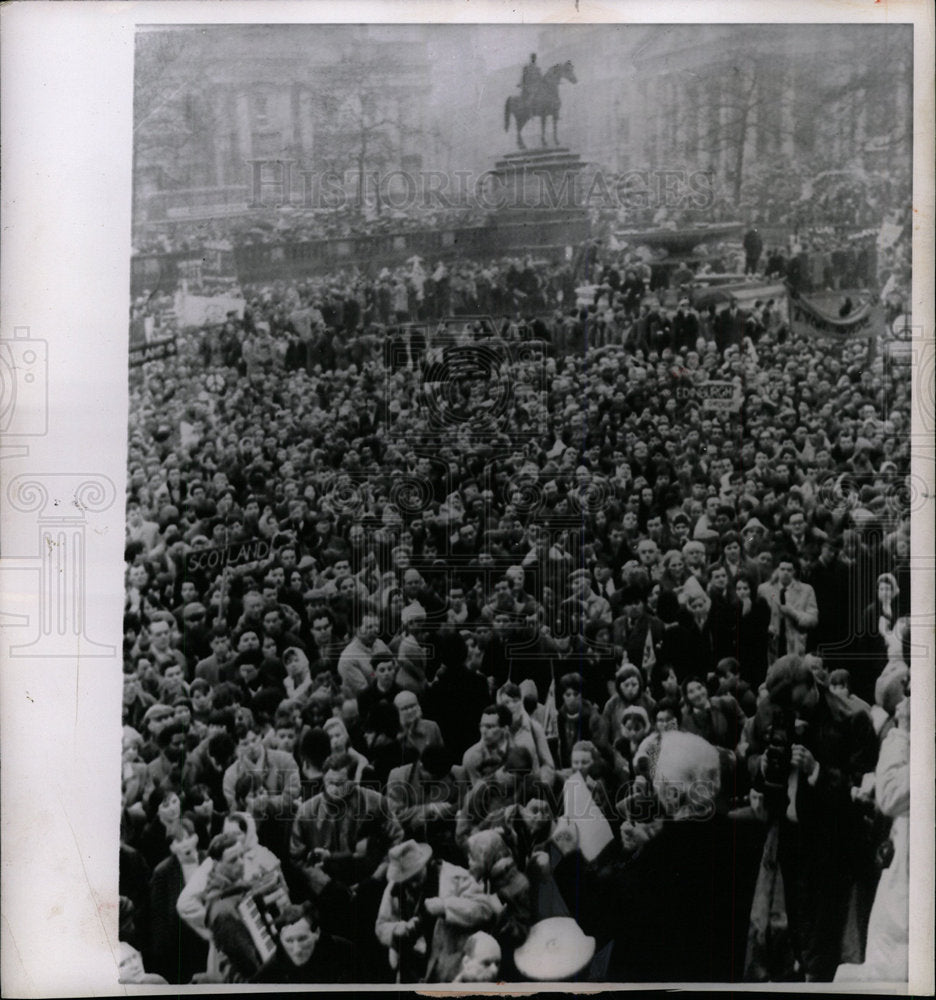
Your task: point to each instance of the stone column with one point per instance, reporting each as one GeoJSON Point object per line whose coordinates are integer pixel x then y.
{"type": "Point", "coordinates": [306, 126]}
{"type": "Point", "coordinates": [221, 135]}
{"type": "Point", "coordinates": [244, 131]}
{"type": "Point", "coordinates": [787, 105]}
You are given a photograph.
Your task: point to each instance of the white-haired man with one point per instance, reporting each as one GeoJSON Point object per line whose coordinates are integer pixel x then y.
{"type": "Point", "coordinates": [689, 883]}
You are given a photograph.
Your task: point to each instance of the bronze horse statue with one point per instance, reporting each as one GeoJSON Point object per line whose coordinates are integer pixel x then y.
{"type": "Point", "coordinates": [543, 104]}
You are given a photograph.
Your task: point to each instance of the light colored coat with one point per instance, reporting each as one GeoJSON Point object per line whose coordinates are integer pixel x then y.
{"type": "Point", "coordinates": [801, 600]}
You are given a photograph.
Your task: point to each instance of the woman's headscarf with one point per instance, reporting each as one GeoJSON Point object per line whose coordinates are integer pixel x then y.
{"type": "Point", "coordinates": [892, 580]}
{"type": "Point", "coordinates": [638, 712]}
{"type": "Point", "coordinates": [624, 672]}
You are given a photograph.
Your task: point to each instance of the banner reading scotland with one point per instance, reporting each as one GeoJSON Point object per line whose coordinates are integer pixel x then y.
{"type": "Point", "coordinates": [236, 554]}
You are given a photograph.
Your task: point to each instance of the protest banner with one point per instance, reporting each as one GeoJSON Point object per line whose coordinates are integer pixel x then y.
{"type": "Point", "coordinates": [713, 395]}
{"type": "Point", "coordinates": [218, 557]}
{"type": "Point", "coordinates": [201, 310]}
{"type": "Point", "coordinates": [153, 350]}
{"type": "Point", "coordinates": [807, 319]}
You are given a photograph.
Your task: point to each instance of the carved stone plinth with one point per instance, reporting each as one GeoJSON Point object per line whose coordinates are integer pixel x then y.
{"type": "Point", "coordinates": [538, 199]}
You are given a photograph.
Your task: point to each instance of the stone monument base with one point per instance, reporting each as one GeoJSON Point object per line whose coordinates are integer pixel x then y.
{"type": "Point", "coordinates": [543, 181]}
{"type": "Point", "coordinates": [538, 199]}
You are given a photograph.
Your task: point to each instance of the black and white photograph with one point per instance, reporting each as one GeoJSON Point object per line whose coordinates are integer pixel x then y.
{"type": "Point", "coordinates": [521, 573]}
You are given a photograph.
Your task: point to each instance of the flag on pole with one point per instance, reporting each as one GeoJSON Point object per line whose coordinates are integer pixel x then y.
{"type": "Point", "coordinates": [551, 719]}
{"type": "Point", "coordinates": [649, 653]}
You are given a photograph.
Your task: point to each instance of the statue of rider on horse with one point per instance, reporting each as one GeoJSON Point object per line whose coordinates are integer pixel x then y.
{"type": "Point", "coordinates": [539, 98]}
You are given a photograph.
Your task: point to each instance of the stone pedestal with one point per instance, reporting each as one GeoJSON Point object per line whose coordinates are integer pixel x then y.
{"type": "Point", "coordinates": [544, 181]}
{"type": "Point", "coordinates": [537, 199]}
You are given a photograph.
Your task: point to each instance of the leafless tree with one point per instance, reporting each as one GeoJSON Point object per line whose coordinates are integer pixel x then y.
{"type": "Point", "coordinates": [171, 113]}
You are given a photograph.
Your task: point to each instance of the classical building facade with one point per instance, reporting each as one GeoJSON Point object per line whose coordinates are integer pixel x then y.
{"type": "Point", "coordinates": [313, 96]}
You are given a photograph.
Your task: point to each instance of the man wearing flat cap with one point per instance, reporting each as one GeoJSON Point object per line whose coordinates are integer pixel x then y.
{"type": "Point", "coordinates": [411, 656]}
{"type": "Point", "coordinates": [404, 922]}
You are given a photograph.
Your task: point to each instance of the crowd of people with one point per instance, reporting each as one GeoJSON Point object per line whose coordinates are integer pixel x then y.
{"type": "Point", "coordinates": [490, 652]}
{"type": "Point", "coordinates": [297, 224]}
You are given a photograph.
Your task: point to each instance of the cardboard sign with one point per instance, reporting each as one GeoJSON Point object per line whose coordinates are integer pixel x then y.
{"type": "Point", "coordinates": [579, 807]}
{"type": "Point", "coordinates": [204, 310]}
{"type": "Point", "coordinates": [719, 396]}
{"type": "Point", "coordinates": [155, 350]}
{"type": "Point", "coordinates": [217, 557]}
{"type": "Point", "coordinates": [714, 395]}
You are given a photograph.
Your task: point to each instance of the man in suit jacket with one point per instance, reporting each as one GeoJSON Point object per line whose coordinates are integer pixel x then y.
{"type": "Point", "coordinates": [832, 580]}
{"type": "Point", "coordinates": [455, 700]}
{"type": "Point", "coordinates": [631, 627]}
{"type": "Point", "coordinates": [346, 829]}
{"type": "Point", "coordinates": [685, 326]}
{"type": "Point", "coordinates": [730, 326]}
{"type": "Point", "coordinates": [423, 797]}
{"type": "Point", "coordinates": [416, 733]}
{"type": "Point", "coordinates": [793, 610]}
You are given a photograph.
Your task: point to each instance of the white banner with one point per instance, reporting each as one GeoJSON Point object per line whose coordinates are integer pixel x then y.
{"type": "Point", "coordinates": [202, 310]}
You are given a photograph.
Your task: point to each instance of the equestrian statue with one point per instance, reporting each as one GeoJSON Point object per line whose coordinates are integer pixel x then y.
{"type": "Point", "coordinates": [539, 97]}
